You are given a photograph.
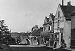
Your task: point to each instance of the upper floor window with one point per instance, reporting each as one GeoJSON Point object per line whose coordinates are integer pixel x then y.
{"type": "Point", "coordinates": [49, 28]}
{"type": "Point", "coordinates": [58, 14]}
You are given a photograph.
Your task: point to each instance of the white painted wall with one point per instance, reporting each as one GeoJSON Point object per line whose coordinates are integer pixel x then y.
{"type": "Point", "coordinates": [66, 25]}
{"type": "Point", "coordinates": [67, 33]}
{"type": "Point", "coordinates": [62, 19]}
{"type": "Point", "coordinates": [73, 22]}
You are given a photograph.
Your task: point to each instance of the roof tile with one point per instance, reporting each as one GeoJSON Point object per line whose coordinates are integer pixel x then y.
{"type": "Point", "coordinates": [68, 11]}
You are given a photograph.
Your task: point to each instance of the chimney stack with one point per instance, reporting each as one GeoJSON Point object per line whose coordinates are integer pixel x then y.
{"type": "Point", "coordinates": [69, 3]}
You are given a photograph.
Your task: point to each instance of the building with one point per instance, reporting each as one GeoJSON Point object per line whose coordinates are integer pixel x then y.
{"type": "Point", "coordinates": [73, 26]}
{"type": "Point", "coordinates": [36, 35]}
{"type": "Point", "coordinates": [48, 29]}
{"type": "Point", "coordinates": [48, 24]}
{"type": "Point", "coordinates": [62, 24]}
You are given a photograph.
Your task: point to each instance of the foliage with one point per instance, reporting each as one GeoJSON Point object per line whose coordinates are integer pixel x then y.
{"type": "Point", "coordinates": [5, 36]}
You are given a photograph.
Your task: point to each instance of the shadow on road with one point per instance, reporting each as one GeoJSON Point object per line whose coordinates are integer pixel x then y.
{"type": "Point", "coordinates": [27, 49]}
{"type": "Point", "coordinates": [31, 49]}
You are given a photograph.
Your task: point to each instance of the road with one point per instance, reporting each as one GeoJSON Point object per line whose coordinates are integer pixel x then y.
{"type": "Point", "coordinates": [31, 48]}
{"type": "Point", "coordinates": [27, 49]}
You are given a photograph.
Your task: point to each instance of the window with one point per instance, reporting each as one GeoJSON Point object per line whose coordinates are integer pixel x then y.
{"type": "Point", "coordinates": [58, 14]}
{"type": "Point", "coordinates": [49, 27]}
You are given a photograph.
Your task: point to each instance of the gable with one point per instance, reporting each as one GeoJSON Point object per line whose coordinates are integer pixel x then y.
{"type": "Point", "coordinates": [59, 12]}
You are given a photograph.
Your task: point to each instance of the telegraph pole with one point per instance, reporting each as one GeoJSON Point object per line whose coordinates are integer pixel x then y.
{"type": "Point", "coordinates": [62, 2]}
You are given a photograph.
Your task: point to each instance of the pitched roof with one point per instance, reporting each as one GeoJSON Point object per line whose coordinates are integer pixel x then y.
{"type": "Point", "coordinates": [68, 11]}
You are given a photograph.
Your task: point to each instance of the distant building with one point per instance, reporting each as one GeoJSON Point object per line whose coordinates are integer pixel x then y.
{"type": "Point", "coordinates": [62, 23]}
{"type": "Point", "coordinates": [48, 26]}
{"type": "Point", "coordinates": [48, 29]}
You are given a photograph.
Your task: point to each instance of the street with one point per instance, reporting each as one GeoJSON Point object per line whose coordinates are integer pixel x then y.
{"type": "Point", "coordinates": [31, 48]}
{"type": "Point", "coordinates": [27, 49]}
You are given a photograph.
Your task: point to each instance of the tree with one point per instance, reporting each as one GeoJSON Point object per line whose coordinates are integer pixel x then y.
{"type": "Point", "coordinates": [5, 36]}
{"type": "Point", "coordinates": [37, 32]}
{"type": "Point", "coordinates": [34, 28]}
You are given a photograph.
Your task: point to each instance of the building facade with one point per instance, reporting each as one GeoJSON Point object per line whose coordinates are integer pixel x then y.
{"type": "Point", "coordinates": [48, 29]}
{"type": "Point", "coordinates": [48, 23]}
{"type": "Point", "coordinates": [62, 24]}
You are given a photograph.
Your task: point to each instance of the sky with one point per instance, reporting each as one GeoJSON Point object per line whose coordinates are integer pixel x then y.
{"type": "Point", "coordinates": [22, 15]}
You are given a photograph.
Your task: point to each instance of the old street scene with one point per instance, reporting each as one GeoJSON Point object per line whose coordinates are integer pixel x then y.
{"type": "Point", "coordinates": [41, 25]}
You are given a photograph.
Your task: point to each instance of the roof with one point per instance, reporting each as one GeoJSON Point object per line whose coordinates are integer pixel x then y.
{"type": "Point", "coordinates": [68, 11]}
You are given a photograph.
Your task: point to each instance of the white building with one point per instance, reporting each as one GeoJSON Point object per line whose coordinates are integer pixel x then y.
{"type": "Point", "coordinates": [62, 23]}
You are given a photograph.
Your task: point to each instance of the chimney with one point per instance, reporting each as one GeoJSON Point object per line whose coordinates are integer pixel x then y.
{"type": "Point", "coordinates": [69, 3]}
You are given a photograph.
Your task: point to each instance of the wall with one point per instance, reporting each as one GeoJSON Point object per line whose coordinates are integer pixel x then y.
{"type": "Point", "coordinates": [73, 28]}
{"type": "Point", "coordinates": [61, 18]}
{"type": "Point", "coordinates": [67, 33]}
{"type": "Point", "coordinates": [66, 25]}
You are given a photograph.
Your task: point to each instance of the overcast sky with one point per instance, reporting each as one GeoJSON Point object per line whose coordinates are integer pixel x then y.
{"type": "Point", "coordinates": [22, 15]}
